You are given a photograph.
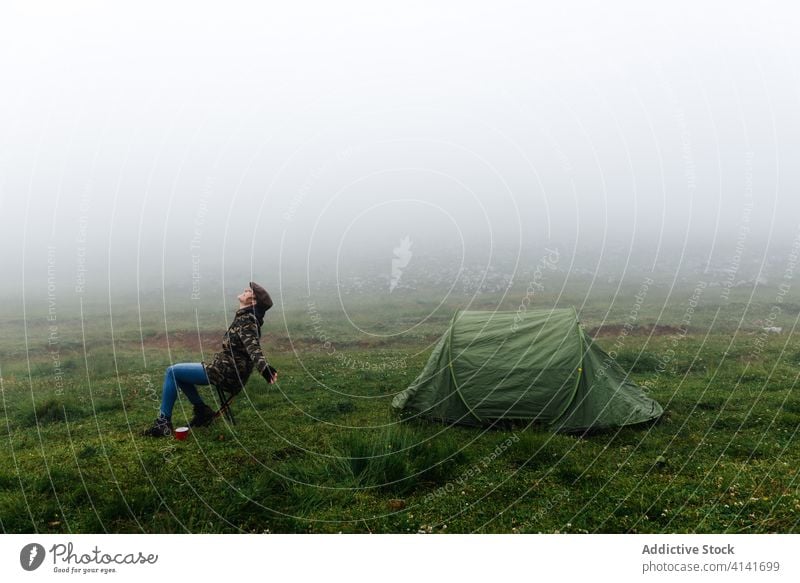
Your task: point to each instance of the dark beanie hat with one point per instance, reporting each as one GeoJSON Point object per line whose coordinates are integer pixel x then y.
{"type": "Point", "coordinates": [263, 301]}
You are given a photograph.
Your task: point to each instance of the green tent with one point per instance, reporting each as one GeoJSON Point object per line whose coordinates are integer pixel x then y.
{"type": "Point", "coordinates": [536, 365]}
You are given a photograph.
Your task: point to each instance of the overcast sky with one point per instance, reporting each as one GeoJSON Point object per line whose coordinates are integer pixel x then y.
{"type": "Point", "coordinates": [149, 140]}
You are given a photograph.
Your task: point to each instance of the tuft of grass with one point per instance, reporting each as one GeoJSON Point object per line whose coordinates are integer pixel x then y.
{"type": "Point", "coordinates": [536, 450]}
{"type": "Point", "coordinates": [8, 482]}
{"type": "Point", "coordinates": [51, 410]}
{"type": "Point", "coordinates": [399, 459]}
{"type": "Point", "coordinates": [54, 409]}
{"type": "Point", "coordinates": [746, 450]}
{"type": "Point", "coordinates": [326, 411]}
{"type": "Point", "coordinates": [637, 361]}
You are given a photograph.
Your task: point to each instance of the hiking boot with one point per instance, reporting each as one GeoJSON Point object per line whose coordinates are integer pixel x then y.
{"type": "Point", "coordinates": [203, 416]}
{"type": "Point", "coordinates": [162, 427]}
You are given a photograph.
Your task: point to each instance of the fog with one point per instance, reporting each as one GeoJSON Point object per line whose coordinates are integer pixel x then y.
{"type": "Point", "coordinates": [163, 145]}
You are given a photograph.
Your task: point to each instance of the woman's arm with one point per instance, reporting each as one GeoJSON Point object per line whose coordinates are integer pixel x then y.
{"type": "Point", "coordinates": [248, 333]}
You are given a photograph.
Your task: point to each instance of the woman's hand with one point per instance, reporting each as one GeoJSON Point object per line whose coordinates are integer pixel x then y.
{"type": "Point", "coordinates": [270, 374]}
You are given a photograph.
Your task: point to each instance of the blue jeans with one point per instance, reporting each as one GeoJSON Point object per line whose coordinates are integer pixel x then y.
{"type": "Point", "coordinates": [184, 375]}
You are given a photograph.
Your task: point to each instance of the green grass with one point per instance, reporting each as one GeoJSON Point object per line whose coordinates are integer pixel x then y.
{"type": "Point", "coordinates": [321, 451]}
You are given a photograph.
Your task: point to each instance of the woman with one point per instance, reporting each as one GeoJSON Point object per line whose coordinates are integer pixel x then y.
{"type": "Point", "coordinates": [230, 369]}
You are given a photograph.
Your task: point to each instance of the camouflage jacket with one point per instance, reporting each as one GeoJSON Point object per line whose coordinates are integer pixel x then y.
{"type": "Point", "coordinates": [241, 352]}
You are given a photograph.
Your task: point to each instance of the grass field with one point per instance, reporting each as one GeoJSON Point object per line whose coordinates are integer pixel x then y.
{"type": "Point", "coordinates": [321, 452]}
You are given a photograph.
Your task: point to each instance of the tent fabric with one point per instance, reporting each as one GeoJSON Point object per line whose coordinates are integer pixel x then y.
{"type": "Point", "coordinates": [538, 366]}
